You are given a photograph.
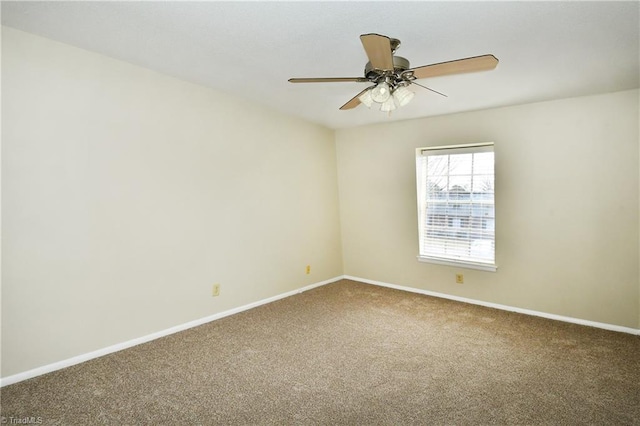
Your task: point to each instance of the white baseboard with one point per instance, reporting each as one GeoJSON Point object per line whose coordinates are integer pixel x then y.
{"type": "Point", "coordinates": [604, 326]}
{"type": "Point", "coordinates": [5, 381]}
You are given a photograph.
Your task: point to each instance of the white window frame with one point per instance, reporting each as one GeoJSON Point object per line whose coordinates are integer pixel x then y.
{"type": "Point", "coordinates": [421, 181]}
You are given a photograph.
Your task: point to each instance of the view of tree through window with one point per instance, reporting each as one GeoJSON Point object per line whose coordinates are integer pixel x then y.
{"type": "Point", "coordinates": [457, 204]}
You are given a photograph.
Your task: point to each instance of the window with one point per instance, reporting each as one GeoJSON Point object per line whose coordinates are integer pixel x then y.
{"type": "Point", "coordinates": [456, 211]}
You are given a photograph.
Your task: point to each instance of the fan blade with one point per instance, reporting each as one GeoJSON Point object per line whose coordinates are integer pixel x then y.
{"type": "Point", "coordinates": [329, 80]}
{"type": "Point", "coordinates": [477, 63]}
{"type": "Point", "coordinates": [378, 49]}
{"type": "Point", "coordinates": [353, 102]}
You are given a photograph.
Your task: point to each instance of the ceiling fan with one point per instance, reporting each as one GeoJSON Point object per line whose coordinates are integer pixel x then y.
{"type": "Point", "coordinates": [391, 75]}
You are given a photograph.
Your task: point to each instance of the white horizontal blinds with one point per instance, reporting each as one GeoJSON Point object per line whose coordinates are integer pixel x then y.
{"type": "Point", "coordinates": [457, 211]}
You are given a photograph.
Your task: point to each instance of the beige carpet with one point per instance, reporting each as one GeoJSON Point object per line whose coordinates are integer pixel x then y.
{"type": "Point", "coordinates": [352, 354]}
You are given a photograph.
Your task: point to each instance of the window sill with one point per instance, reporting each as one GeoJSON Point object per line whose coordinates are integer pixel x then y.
{"type": "Point", "coordinates": [459, 263]}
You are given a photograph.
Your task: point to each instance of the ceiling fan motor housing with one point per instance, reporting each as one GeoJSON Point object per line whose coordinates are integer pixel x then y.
{"type": "Point", "coordinates": [375, 75]}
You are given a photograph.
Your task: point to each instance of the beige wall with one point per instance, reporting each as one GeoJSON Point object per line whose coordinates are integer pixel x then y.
{"type": "Point", "coordinates": [566, 205]}
{"type": "Point", "coordinates": [126, 194]}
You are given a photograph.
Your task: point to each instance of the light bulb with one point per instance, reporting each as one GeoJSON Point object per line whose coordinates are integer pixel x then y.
{"type": "Point", "coordinates": [365, 98]}
{"type": "Point", "coordinates": [388, 105]}
{"type": "Point", "coordinates": [402, 95]}
{"type": "Point", "coordinates": [381, 92]}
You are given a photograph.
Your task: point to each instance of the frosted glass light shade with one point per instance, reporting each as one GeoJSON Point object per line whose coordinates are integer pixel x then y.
{"type": "Point", "coordinates": [366, 99]}
{"type": "Point", "coordinates": [388, 105]}
{"type": "Point", "coordinates": [381, 93]}
{"type": "Point", "coordinates": [403, 95]}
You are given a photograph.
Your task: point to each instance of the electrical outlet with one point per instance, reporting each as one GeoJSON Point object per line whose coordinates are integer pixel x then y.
{"type": "Point", "coordinates": [308, 269]}
{"type": "Point", "coordinates": [216, 290]}
{"type": "Point", "coordinates": [459, 279]}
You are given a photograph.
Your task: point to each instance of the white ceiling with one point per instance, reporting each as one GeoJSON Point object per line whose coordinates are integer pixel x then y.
{"type": "Point", "coordinates": [547, 50]}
